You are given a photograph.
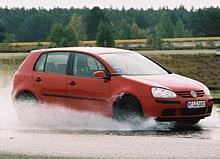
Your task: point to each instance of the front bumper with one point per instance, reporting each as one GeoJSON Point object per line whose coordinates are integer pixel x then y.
{"type": "Point", "coordinates": [175, 109]}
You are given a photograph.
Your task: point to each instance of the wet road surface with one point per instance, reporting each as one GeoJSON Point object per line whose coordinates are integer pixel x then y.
{"type": "Point", "coordinates": [164, 140]}
{"type": "Point", "coordinates": [56, 131]}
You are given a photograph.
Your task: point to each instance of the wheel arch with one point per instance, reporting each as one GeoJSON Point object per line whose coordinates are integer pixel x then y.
{"type": "Point", "coordinates": [121, 95]}
{"type": "Point", "coordinates": [25, 92]}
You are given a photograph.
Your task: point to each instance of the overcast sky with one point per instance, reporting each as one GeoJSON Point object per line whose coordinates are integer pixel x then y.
{"type": "Point", "coordinates": [108, 3]}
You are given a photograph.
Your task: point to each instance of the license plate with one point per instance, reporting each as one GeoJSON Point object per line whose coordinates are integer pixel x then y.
{"type": "Point", "coordinates": [195, 104]}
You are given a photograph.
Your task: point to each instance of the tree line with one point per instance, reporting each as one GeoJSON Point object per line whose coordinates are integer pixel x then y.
{"type": "Point", "coordinates": [65, 27]}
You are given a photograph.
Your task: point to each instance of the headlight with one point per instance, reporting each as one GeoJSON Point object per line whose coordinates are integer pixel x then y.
{"type": "Point", "coordinates": [162, 93]}
{"type": "Point", "coordinates": [207, 91]}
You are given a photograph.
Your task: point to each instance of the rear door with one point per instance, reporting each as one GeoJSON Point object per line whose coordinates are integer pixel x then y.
{"type": "Point", "coordinates": [50, 77]}
{"type": "Point", "coordinates": [85, 92]}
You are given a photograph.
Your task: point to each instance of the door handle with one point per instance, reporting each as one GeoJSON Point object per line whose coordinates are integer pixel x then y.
{"type": "Point", "coordinates": [72, 83]}
{"type": "Point", "coordinates": [38, 79]}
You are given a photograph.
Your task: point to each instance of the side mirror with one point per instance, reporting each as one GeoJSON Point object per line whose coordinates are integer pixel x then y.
{"type": "Point", "coordinates": [99, 75]}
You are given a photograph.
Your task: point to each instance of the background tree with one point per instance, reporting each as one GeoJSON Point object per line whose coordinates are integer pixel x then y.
{"type": "Point", "coordinates": [154, 39]}
{"type": "Point", "coordinates": [63, 36]}
{"type": "Point", "coordinates": [56, 34]}
{"type": "Point", "coordinates": [35, 24]}
{"type": "Point", "coordinates": [71, 35]}
{"type": "Point", "coordinates": [92, 21]}
{"type": "Point", "coordinates": [210, 28]}
{"type": "Point", "coordinates": [205, 22]}
{"type": "Point", "coordinates": [135, 31]}
{"type": "Point", "coordinates": [165, 26]}
{"type": "Point", "coordinates": [77, 23]}
{"type": "Point", "coordinates": [180, 31]}
{"type": "Point", "coordinates": [35, 28]}
{"type": "Point", "coordinates": [123, 30]}
{"type": "Point", "coordinates": [9, 38]}
{"type": "Point", "coordinates": [2, 31]}
{"type": "Point", "coordinates": [105, 35]}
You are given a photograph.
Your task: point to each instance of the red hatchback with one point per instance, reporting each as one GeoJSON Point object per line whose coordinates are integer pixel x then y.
{"type": "Point", "coordinates": [113, 82]}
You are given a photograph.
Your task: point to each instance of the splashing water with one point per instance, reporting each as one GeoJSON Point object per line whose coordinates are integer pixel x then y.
{"type": "Point", "coordinates": [38, 116]}
{"type": "Point", "coordinates": [212, 121]}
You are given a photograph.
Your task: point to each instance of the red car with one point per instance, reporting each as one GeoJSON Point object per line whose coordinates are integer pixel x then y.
{"type": "Point", "coordinates": [113, 82]}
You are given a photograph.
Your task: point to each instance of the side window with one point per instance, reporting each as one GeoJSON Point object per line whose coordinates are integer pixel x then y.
{"type": "Point", "coordinates": [39, 66]}
{"type": "Point", "coordinates": [56, 63]}
{"type": "Point", "coordinates": [86, 65]}
{"type": "Point", "coordinates": [92, 64]}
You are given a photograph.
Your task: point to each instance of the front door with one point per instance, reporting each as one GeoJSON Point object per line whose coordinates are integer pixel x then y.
{"type": "Point", "coordinates": [85, 92]}
{"type": "Point", "coordinates": [50, 77]}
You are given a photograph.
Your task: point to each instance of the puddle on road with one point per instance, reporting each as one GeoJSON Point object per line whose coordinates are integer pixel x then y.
{"type": "Point", "coordinates": [37, 118]}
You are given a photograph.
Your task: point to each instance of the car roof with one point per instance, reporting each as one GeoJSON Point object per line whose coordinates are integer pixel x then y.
{"type": "Point", "coordinates": [91, 50]}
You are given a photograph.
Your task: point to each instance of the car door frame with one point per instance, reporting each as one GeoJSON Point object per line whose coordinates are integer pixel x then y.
{"type": "Point", "coordinates": [42, 95]}
{"type": "Point", "coordinates": [71, 75]}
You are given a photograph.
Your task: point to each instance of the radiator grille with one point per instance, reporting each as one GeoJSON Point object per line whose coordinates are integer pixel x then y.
{"type": "Point", "coordinates": [187, 94]}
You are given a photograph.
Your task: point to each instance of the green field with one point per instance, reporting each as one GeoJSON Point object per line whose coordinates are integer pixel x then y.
{"type": "Point", "coordinates": [10, 62]}
{"type": "Point", "coordinates": [216, 93]}
{"type": "Point", "coordinates": [201, 67]}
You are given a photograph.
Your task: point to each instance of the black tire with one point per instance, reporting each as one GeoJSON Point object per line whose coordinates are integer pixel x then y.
{"type": "Point", "coordinates": [26, 97]}
{"type": "Point", "coordinates": [189, 122]}
{"type": "Point", "coordinates": [127, 108]}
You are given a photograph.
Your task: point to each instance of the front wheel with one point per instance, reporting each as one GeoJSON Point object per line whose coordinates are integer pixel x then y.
{"type": "Point", "coordinates": [127, 108]}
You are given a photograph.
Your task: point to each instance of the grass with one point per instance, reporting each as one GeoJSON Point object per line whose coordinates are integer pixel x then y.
{"type": "Point", "coordinates": [10, 63]}
{"type": "Point", "coordinates": [201, 67]}
{"type": "Point", "coordinates": [216, 93]}
{"type": "Point", "coordinates": [217, 106]}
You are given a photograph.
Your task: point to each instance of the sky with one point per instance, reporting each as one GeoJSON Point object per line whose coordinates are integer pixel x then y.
{"type": "Point", "coordinates": [109, 3]}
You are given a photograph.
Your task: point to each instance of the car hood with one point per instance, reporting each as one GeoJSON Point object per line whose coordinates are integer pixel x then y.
{"type": "Point", "coordinates": [170, 81]}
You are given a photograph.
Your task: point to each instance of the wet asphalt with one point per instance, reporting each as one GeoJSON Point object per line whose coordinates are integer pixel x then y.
{"type": "Point", "coordinates": [162, 140]}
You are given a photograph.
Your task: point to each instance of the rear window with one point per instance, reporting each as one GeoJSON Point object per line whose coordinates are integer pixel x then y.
{"type": "Point", "coordinates": [53, 63]}
{"type": "Point", "coordinates": [56, 63]}
{"type": "Point", "coordinates": [40, 63]}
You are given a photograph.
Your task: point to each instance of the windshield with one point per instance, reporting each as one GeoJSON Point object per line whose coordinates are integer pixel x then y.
{"type": "Point", "coordinates": [133, 64]}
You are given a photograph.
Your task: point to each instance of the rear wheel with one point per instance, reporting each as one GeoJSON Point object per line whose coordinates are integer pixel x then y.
{"type": "Point", "coordinates": [127, 108]}
{"type": "Point", "coordinates": [26, 97]}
